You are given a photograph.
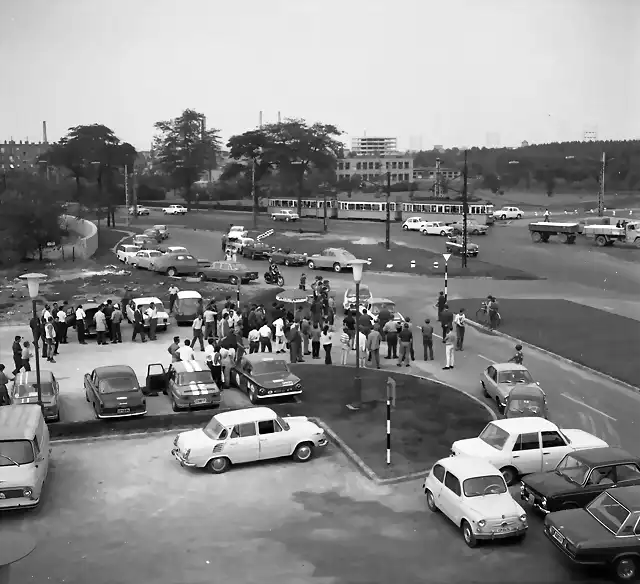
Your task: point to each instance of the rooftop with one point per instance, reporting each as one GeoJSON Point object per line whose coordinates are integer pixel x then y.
{"type": "Point", "coordinates": [466, 467]}
{"type": "Point", "coordinates": [19, 422]}
{"type": "Point", "coordinates": [245, 415]}
{"type": "Point", "coordinates": [605, 455]}
{"type": "Point", "coordinates": [524, 425]}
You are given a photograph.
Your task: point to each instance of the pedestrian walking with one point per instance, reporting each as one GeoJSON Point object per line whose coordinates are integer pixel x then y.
{"type": "Point", "coordinates": [265, 338]}
{"type": "Point", "coordinates": [116, 324]}
{"type": "Point", "coordinates": [446, 320]}
{"type": "Point", "coordinates": [391, 336]}
{"type": "Point", "coordinates": [27, 353]}
{"type": "Point", "coordinates": [345, 346]}
{"type": "Point", "coordinates": [450, 348]}
{"type": "Point", "coordinates": [315, 333]}
{"type": "Point", "coordinates": [326, 339]}
{"type": "Point", "coordinates": [81, 315]}
{"type": "Point", "coordinates": [373, 346]}
{"type": "Point", "coordinates": [50, 335]}
{"type": "Point", "coordinates": [427, 339]}
{"type": "Point", "coordinates": [101, 326]}
{"type": "Point", "coordinates": [460, 320]}
{"type": "Point", "coordinates": [173, 350]}
{"type": "Point", "coordinates": [138, 325]}
{"type": "Point", "coordinates": [405, 337]}
{"type": "Point", "coordinates": [173, 296]}
{"type": "Point", "coordinates": [5, 400]}
{"type": "Point", "coordinates": [197, 332]}
{"type": "Point", "coordinates": [152, 314]}
{"type": "Point", "coordinates": [185, 352]}
{"type": "Point", "coordinates": [440, 302]}
{"type": "Point", "coordinates": [16, 349]}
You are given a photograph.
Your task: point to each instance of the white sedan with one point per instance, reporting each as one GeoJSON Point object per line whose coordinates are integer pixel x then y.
{"type": "Point", "coordinates": [125, 252]}
{"type": "Point", "coordinates": [140, 210]}
{"type": "Point", "coordinates": [436, 228]}
{"type": "Point", "coordinates": [413, 224]}
{"type": "Point", "coordinates": [175, 210]}
{"type": "Point", "coordinates": [143, 304]}
{"type": "Point", "coordinates": [144, 258]}
{"type": "Point", "coordinates": [285, 215]}
{"type": "Point", "coordinates": [248, 435]}
{"type": "Point", "coordinates": [473, 494]}
{"type": "Point", "coordinates": [519, 446]}
{"type": "Point", "coordinates": [508, 213]}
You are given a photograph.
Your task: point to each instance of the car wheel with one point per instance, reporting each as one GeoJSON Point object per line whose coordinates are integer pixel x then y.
{"type": "Point", "coordinates": [510, 475]}
{"type": "Point", "coordinates": [218, 465]}
{"type": "Point", "coordinates": [233, 280]}
{"type": "Point", "coordinates": [503, 217]}
{"type": "Point", "coordinates": [133, 265]}
{"type": "Point", "coordinates": [303, 452]}
{"type": "Point", "coordinates": [424, 232]}
{"type": "Point", "coordinates": [468, 535]}
{"type": "Point", "coordinates": [431, 502]}
{"type": "Point", "coordinates": [443, 233]}
{"type": "Point", "coordinates": [253, 396]}
{"type": "Point", "coordinates": [172, 272]}
{"type": "Point", "coordinates": [311, 265]}
{"type": "Point", "coordinates": [286, 219]}
{"type": "Point", "coordinates": [286, 263]}
{"type": "Point", "coordinates": [174, 406]}
{"type": "Point", "coordinates": [484, 389]}
{"type": "Point", "coordinates": [518, 216]}
{"type": "Point", "coordinates": [273, 217]}
{"type": "Point", "coordinates": [337, 268]}
{"type": "Point", "coordinates": [202, 277]}
{"type": "Point", "coordinates": [625, 569]}
{"type": "Point", "coordinates": [405, 227]}
{"type": "Point", "coordinates": [475, 232]}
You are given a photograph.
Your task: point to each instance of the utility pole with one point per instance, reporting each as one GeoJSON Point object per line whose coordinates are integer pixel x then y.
{"type": "Point", "coordinates": [126, 191]}
{"type": "Point", "coordinates": [465, 213]}
{"type": "Point", "coordinates": [436, 190]}
{"type": "Point", "coordinates": [253, 193]}
{"type": "Point", "coordinates": [388, 225]}
{"type": "Point", "coordinates": [601, 193]}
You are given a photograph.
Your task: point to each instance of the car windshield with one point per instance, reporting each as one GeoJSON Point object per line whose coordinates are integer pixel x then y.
{"type": "Point", "coordinates": [15, 452]}
{"type": "Point", "coordinates": [158, 306]}
{"type": "Point", "coordinates": [489, 485]}
{"type": "Point", "coordinates": [189, 377]}
{"type": "Point", "coordinates": [283, 423]}
{"type": "Point", "coordinates": [215, 430]}
{"type": "Point", "coordinates": [515, 376]}
{"type": "Point", "coordinates": [494, 436]}
{"type": "Point", "coordinates": [347, 255]}
{"type": "Point", "coordinates": [154, 254]}
{"type": "Point", "coordinates": [31, 389]}
{"type": "Point", "coordinates": [529, 407]}
{"type": "Point", "coordinates": [185, 304]}
{"type": "Point", "coordinates": [608, 511]}
{"type": "Point", "coordinates": [265, 367]}
{"type": "Point", "coordinates": [177, 250]}
{"type": "Point", "coordinates": [573, 469]}
{"type": "Point", "coordinates": [117, 385]}
{"type": "Point", "coordinates": [364, 291]}
{"type": "Point", "coordinates": [378, 306]}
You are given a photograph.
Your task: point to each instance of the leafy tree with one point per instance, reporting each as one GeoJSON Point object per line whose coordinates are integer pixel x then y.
{"type": "Point", "coordinates": [492, 182]}
{"type": "Point", "coordinates": [184, 149]}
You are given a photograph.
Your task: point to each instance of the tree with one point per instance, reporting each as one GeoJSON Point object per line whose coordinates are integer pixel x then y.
{"type": "Point", "coordinates": [492, 182]}
{"type": "Point", "coordinates": [184, 149]}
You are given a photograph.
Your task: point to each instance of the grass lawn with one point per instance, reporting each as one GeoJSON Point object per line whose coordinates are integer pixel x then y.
{"type": "Point", "coordinates": [428, 417]}
{"type": "Point", "coordinates": [595, 338]}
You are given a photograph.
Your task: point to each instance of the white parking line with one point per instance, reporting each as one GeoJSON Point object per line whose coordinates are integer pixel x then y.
{"type": "Point", "coordinates": [596, 410]}
{"type": "Point", "coordinates": [486, 358]}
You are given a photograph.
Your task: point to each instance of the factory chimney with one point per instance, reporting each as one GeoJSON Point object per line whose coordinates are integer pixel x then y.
{"type": "Point", "coordinates": [44, 132]}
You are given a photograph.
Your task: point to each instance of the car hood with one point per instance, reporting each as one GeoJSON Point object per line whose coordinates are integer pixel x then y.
{"type": "Point", "coordinates": [579, 526]}
{"type": "Point", "coordinates": [193, 439]}
{"type": "Point", "coordinates": [506, 388]}
{"type": "Point", "coordinates": [32, 398]}
{"type": "Point", "coordinates": [121, 398]}
{"type": "Point", "coordinates": [580, 439]}
{"type": "Point", "coordinates": [298, 256]}
{"type": "Point", "coordinates": [17, 476]}
{"type": "Point", "coordinates": [495, 506]}
{"type": "Point", "coordinates": [303, 424]}
{"type": "Point", "coordinates": [275, 379]}
{"type": "Point", "coordinates": [475, 447]}
{"type": "Point", "coordinates": [549, 484]}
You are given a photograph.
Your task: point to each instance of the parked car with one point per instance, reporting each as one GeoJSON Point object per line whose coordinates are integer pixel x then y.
{"type": "Point", "coordinates": [231, 272]}
{"type": "Point", "coordinates": [153, 234]}
{"type": "Point", "coordinates": [499, 379]}
{"type": "Point", "coordinates": [455, 245]}
{"type": "Point", "coordinates": [285, 215]}
{"type": "Point", "coordinates": [175, 210]}
{"type": "Point", "coordinates": [349, 301]}
{"type": "Point", "coordinates": [474, 496]}
{"type": "Point", "coordinates": [189, 386]}
{"type": "Point", "coordinates": [263, 377]}
{"type": "Point", "coordinates": [413, 224]}
{"type": "Point", "coordinates": [375, 305]}
{"type": "Point", "coordinates": [239, 243]}
{"type": "Point", "coordinates": [125, 252]}
{"type": "Point", "coordinates": [473, 228]}
{"type": "Point", "coordinates": [176, 264]}
{"type": "Point", "coordinates": [525, 401]}
{"type": "Point", "coordinates": [187, 306]}
{"type": "Point", "coordinates": [25, 391]}
{"type": "Point", "coordinates": [175, 249]}
{"type": "Point", "coordinates": [140, 210]}
{"type": "Point", "coordinates": [247, 435]}
{"type": "Point", "coordinates": [508, 213]}
{"type": "Point", "coordinates": [235, 232]}
{"type": "Point", "coordinates": [288, 257]}
{"type": "Point", "coordinates": [579, 478]}
{"type": "Point", "coordinates": [144, 259]}
{"type": "Point", "coordinates": [163, 230]}
{"type": "Point", "coordinates": [114, 392]}
{"type": "Point", "coordinates": [335, 258]}
{"type": "Point", "coordinates": [256, 250]}
{"type": "Point", "coordinates": [520, 446]}
{"type": "Point", "coordinates": [605, 533]}
{"type": "Point", "coordinates": [144, 303]}
{"type": "Point", "coordinates": [145, 241]}
{"type": "Point", "coordinates": [435, 228]}
{"type": "Point", "coordinates": [90, 308]}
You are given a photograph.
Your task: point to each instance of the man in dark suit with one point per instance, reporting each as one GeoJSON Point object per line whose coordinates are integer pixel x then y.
{"type": "Point", "coordinates": [138, 325]}
{"type": "Point", "coordinates": [446, 320]}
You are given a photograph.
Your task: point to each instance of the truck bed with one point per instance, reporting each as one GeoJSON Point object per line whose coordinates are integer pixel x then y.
{"type": "Point", "coordinates": [548, 227]}
{"type": "Point", "coordinates": [610, 230]}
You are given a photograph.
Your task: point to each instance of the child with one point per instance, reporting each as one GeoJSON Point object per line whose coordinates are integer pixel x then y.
{"type": "Point", "coordinates": [518, 358]}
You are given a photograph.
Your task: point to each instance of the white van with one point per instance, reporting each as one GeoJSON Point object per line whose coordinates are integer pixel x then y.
{"type": "Point", "coordinates": [187, 305]}
{"type": "Point", "coordinates": [24, 455]}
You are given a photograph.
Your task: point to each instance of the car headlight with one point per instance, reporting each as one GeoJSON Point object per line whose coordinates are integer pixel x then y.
{"type": "Point", "coordinates": [543, 503]}
{"type": "Point", "coordinates": [187, 453]}
{"type": "Point", "coordinates": [523, 518]}
{"type": "Point", "coordinates": [27, 492]}
{"type": "Point", "coordinates": [522, 487]}
{"type": "Point", "coordinates": [482, 523]}
{"type": "Point", "coordinates": [261, 391]}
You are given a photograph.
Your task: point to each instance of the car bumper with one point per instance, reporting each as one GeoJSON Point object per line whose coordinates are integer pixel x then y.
{"type": "Point", "coordinates": [571, 556]}
{"type": "Point", "coordinates": [534, 501]}
{"type": "Point", "coordinates": [278, 394]}
{"type": "Point", "coordinates": [178, 456]}
{"type": "Point", "coordinates": [20, 503]}
{"type": "Point", "coordinates": [194, 402]}
{"type": "Point", "coordinates": [103, 416]}
{"type": "Point", "coordinates": [490, 536]}
{"type": "Point", "coordinates": [52, 416]}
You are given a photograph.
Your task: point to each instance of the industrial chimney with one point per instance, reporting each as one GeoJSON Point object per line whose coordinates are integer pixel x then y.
{"type": "Point", "coordinates": [260, 118]}
{"type": "Point", "coordinates": [44, 132]}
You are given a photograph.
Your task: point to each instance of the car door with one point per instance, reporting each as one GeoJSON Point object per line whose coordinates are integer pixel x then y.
{"type": "Point", "coordinates": [526, 455]}
{"type": "Point", "coordinates": [627, 474]}
{"type": "Point", "coordinates": [137, 259]}
{"type": "Point", "coordinates": [491, 381]}
{"type": "Point", "coordinates": [450, 497]}
{"type": "Point", "coordinates": [274, 441]}
{"type": "Point", "coordinates": [243, 445]}
{"type": "Point", "coordinates": [327, 258]}
{"type": "Point", "coordinates": [554, 449]}
{"type": "Point", "coordinates": [93, 393]}
{"type": "Point", "coordinates": [436, 483]}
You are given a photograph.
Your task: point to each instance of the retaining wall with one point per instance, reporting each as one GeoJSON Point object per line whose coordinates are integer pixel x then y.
{"type": "Point", "coordinates": [82, 248]}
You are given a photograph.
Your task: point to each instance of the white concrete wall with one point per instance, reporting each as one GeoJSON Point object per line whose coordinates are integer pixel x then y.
{"type": "Point", "coordinates": [82, 248]}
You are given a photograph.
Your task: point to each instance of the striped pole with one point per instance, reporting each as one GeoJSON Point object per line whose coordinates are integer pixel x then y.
{"type": "Point", "coordinates": [388, 429]}
{"type": "Point", "coordinates": [238, 296]}
{"type": "Point", "coordinates": [446, 274]}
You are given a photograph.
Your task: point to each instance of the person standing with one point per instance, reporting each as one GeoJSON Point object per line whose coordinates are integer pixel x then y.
{"type": "Point", "coordinates": [373, 346]}
{"type": "Point", "coordinates": [197, 332]}
{"type": "Point", "coordinates": [450, 348]}
{"type": "Point", "coordinates": [326, 339]}
{"type": "Point", "coordinates": [494, 312]}
{"type": "Point", "coordinates": [391, 336]}
{"type": "Point", "coordinates": [295, 343]}
{"type": "Point", "coordinates": [227, 362]}
{"type": "Point", "coordinates": [460, 320]}
{"type": "Point", "coordinates": [440, 303]}
{"type": "Point", "coordinates": [5, 400]}
{"type": "Point", "coordinates": [138, 325]}
{"type": "Point", "coordinates": [383, 318]}
{"type": "Point", "coordinates": [364, 322]}
{"type": "Point", "coordinates": [303, 281]}
{"type": "Point", "coordinates": [254, 341]}
{"type": "Point", "coordinates": [50, 336]}
{"type": "Point", "coordinates": [62, 325]}
{"type": "Point", "coordinates": [546, 215]}
{"type": "Point", "coordinates": [80, 316]}
{"type": "Point", "coordinates": [108, 312]}
{"type": "Point", "coordinates": [362, 348]}
{"type": "Point", "coordinates": [173, 296]}
{"type": "Point", "coordinates": [411, 351]}
{"type": "Point", "coordinates": [208, 352]}
{"type": "Point", "coordinates": [265, 338]}
{"type": "Point", "coordinates": [315, 333]}
{"type": "Point", "coordinates": [27, 353]}
{"type": "Point", "coordinates": [406, 338]}
{"type": "Point", "coordinates": [16, 349]}
{"type": "Point", "coordinates": [173, 350]}
{"type": "Point", "coordinates": [349, 322]}
{"type": "Point", "coordinates": [305, 331]}
{"type": "Point", "coordinates": [209, 323]}
{"type": "Point", "coordinates": [216, 367]}
{"type": "Point", "coordinates": [152, 314]}
{"type": "Point", "coordinates": [116, 324]}
{"type": "Point", "coordinates": [427, 339]}
{"type": "Point", "coordinates": [101, 326]}
{"type": "Point", "coordinates": [345, 346]}
{"type": "Point", "coordinates": [446, 320]}
{"type": "Point", "coordinates": [37, 330]}
{"type": "Point", "coordinates": [186, 352]}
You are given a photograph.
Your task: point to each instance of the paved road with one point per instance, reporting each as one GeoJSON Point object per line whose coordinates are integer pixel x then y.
{"type": "Point", "coordinates": [125, 511]}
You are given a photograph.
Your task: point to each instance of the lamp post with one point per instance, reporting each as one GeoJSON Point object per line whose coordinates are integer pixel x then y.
{"type": "Point", "coordinates": [33, 283]}
{"type": "Point", "coordinates": [446, 257]}
{"type": "Point", "coordinates": [358, 266]}
{"type": "Point", "coordinates": [465, 214]}
{"type": "Point", "coordinates": [298, 164]}
{"type": "Point", "coordinates": [387, 237]}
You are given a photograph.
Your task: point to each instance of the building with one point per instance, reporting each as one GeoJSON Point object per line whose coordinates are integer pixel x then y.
{"type": "Point", "coordinates": [21, 155]}
{"type": "Point", "coordinates": [373, 168]}
{"type": "Point", "coordinates": [373, 146]}
{"type": "Point", "coordinates": [430, 173]}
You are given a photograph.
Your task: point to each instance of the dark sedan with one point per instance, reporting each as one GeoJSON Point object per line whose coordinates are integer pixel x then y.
{"type": "Point", "coordinates": [288, 257]}
{"type": "Point", "coordinates": [526, 401]}
{"type": "Point", "coordinates": [25, 391]}
{"type": "Point", "coordinates": [114, 392]}
{"type": "Point", "coordinates": [256, 251]}
{"type": "Point", "coordinates": [264, 377]}
{"type": "Point", "coordinates": [230, 272]}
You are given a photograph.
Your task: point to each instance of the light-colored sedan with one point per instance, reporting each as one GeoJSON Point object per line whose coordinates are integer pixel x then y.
{"type": "Point", "coordinates": [248, 435]}
{"type": "Point", "coordinates": [508, 213]}
{"type": "Point", "coordinates": [334, 258]}
{"type": "Point", "coordinates": [349, 301]}
{"type": "Point", "coordinates": [144, 258]}
{"type": "Point", "coordinates": [413, 224]}
{"type": "Point", "coordinates": [175, 210]}
{"type": "Point", "coordinates": [140, 210]}
{"type": "Point", "coordinates": [473, 228]}
{"type": "Point", "coordinates": [143, 304]}
{"type": "Point", "coordinates": [436, 228]}
{"type": "Point", "coordinates": [125, 252]}
{"type": "Point", "coordinates": [285, 215]}
{"type": "Point", "coordinates": [500, 378]}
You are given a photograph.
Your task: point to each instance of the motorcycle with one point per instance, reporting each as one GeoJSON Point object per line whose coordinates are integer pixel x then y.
{"type": "Point", "coordinates": [275, 279]}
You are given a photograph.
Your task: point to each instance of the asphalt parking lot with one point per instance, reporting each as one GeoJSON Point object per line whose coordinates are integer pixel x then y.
{"type": "Point", "coordinates": [122, 511]}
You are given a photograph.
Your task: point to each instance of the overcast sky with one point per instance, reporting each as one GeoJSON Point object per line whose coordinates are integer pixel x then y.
{"type": "Point", "coordinates": [451, 72]}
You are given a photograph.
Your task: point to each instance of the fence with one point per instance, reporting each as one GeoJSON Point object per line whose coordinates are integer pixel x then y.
{"type": "Point", "coordinates": [82, 248]}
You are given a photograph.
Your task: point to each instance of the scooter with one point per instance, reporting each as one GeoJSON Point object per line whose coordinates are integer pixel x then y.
{"type": "Point", "coordinates": [271, 278]}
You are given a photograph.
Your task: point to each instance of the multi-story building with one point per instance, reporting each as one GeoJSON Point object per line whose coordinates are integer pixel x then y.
{"type": "Point", "coordinates": [372, 168]}
{"type": "Point", "coordinates": [431, 173]}
{"type": "Point", "coordinates": [21, 155]}
{"type": "Point", "coordinates": [373, 145]}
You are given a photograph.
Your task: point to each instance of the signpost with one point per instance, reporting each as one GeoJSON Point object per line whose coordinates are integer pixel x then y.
{"type": "Point", "coordinates": [446, 257]}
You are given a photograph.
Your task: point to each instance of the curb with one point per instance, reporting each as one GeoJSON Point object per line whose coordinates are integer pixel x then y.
{"type": "Point", "coordinates": [555, 356]}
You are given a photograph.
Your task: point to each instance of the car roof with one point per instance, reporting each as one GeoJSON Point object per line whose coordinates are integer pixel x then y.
{"type": "Point", "coordinates": [19, 422]}
{"type": "Point", "coordinates": [147, 300]}
{"type": "Point", "coordinates": [244, 415]}
{"type": "Point", "coordinates": [25, 377]}
{"type": "Point", "coordinates": [628, 496]}
{"type": "Point", "coordinates": [509, 367]}
{"type": "Point", "coordinates": [259, 357]}
{"type": "Point", "coordinates": [524, 425]}
{"type": "Point", "coordinates": [109, 371]}
{"type": "Point", "coordinates": [466, 467]}
{"type": "Point", "coordinates": [189, 366]}
{"type": "Point", "coordinates": [604, 455]}
{"type": "Point", "coordinates": [378, 300]}
{"type": "Point", "coordinates": [526, 391]}
{"type": "Point", "coordinates": [189, 294]}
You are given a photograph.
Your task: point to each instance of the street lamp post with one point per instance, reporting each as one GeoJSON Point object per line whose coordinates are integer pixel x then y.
{"type": "Point", "coordinates": [299, 164]}
{"type": "Point", "coordinates": [358, 266]}
{"type": "Point", "coordinates": [387, 238]}
{"type": "Point", "coordinates": [446, 257]}
{"type": "Point", "coordinates": [465, 213]}
{"type": "Point", "coordinates": [33, 283]}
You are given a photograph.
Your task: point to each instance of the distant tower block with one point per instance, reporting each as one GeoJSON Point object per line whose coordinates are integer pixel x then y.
{"type": "Point", "coordinates": [590, 135]}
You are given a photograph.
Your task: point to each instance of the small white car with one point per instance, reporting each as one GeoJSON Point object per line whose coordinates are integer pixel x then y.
{"type": "Point", "coordinates": [175, 210]}
{"type": "Point", "coordinates": [413, 224]}
{"type": "Point", "coordinates": [143, 260]}
{"type": "Point", "coordinates": [375, 305]}
{"type": "Point", "coordinates": [143, 303]}
{"type": "Point", "coordinates": [247, 435]}
{"type": "Point", "coordinates": [141, 210]}
{"type": "Point", "coordinates": [499, 379]}
{"type": "Point", "coordinates": [473, 494]}
{"type": "Point", "coordinates": [285, 215]}
{"type": "Point", "coordinates": [436, 228]}
{"type": "Point", "coordinates": [349, 301]}
{"type": "Point", "coordinates": [163, 230]}
{"type": "Point", "coordinates": [519, 446]}
{"type": "Point", "coordinates": [236, 229]}
{"type": "Point", "coordinates": [125, 252]}
{"type": "Point", "coordinates": [508, 213]}
{"type": "Point", "coordinates": [175, 249]}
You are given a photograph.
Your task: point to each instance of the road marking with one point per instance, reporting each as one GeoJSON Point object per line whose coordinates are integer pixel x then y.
{"type": "Point", "coordinates": [486, 358]}
{"type": "Point", "coordinates": [577, 401]}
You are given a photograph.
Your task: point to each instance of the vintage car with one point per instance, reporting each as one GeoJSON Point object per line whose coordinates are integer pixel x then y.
{"type": "Point", "coordinates": [520, 446]}
{"type": "Point", "coordinates": [499, 379]}
{"type": "Point", "coordinates": [579, 478]}
{"type": "Point", "coordinates": [163, 230]}
{"type": "Point", "coordinates": [143, 303]}
{"type": "Point", "coordinates": [335, 258]}
{"type": "Point", "coordinates": [125, 252]}
{"type": "Point", "coordinates": [256, 250]}
{"type": "Point", "coordinates": [375, 305]}
{"type": "Point", "coordinates": [473, 228]}
{"type": "Point", "coordinates": [187, 306]}
{"type": "Point", "coordinates": [247, 435]}
{"type": "Point", "coordinates": [144, 259]}
{"type": "Point", "coordinates": [605, 533]}
{"type": "Point", "coordinates": [175, 210]}
{"type": "Point", "coordinates": [231, 272]}
{"type": "Point", "coordinates": [189, 385]}
{"type": "Point", "coordinates": [263, 377]}
{"type": "Point", "coordinates": [413, 224]}
{"type": "Point", "coordinates": [288, 257]}
{"type": "Point", "coordinates": [455, 245]}
{"type": "Point", "coordinates": [176, 264]}
{"type": "Point", "coordinates": [90, 308]}
{"type": "Point", "coordinates": [138, 210]}
{"type": "Point", "coordinates": [175, 249]}
{"type": "Point", "coordinates": [435, 228]}
{"type": "Point", "coordinates": [349, 301]}
{"type": "Point", "coordinates": [285, 215]}
{"type": "Point", "coordinates": [526, 401]}
{"type": "Point", "coordinates": [25, 391]}
{"type": "Point", "coordinates": [153, 234]}
{"type": "Point", "coordinates": [114, 392]}
{"type": "Point", "coordinates": [235, 232]}
{"type": "Point", "coordinates": [472, 493]}
{"type": "Point", "coordinates": [144, 241]}
{"type": "Point", "coordinates": [508, 213]}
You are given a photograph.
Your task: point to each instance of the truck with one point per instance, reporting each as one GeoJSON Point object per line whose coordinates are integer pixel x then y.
{"type": "Point", "coordinates": [608, 234]}
{"type": "Point", "coordinates": [543, 230]}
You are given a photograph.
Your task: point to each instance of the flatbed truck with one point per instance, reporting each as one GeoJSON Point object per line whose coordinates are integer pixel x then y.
{"type": "Point", "coordinates": [543, 230]}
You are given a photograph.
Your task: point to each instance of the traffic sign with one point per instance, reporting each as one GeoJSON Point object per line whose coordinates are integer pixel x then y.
{"type": "Point", "coordinates": [446, 256]}
{"type": "Point", "coordinates": [267, 233]}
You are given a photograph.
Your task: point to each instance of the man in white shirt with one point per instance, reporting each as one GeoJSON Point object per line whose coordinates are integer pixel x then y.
{"type": "Point", "coordinates": [254, 341]}
{"type": "Point", "coordinates": [152, 313]}
{"type": "Point", "coordinates": [80, 316]}
{"type": "Point", "coordinates": [280, 343]}
{"type": "Point", "coordinates": [460, 320]}
{"type": "Point", "coordinates": [362, 347]}
{"type": "Point", "coordinates": [46, 314]}
{"type": "Point", "coordinates": [209, 323]}
{"type": "Point", "coordinates": [62, 320]}
{"type": "Point", "coordinates": [173, 296]}
{"type": "Point", "coordinates": [209, 351]}
{"type": "Point", "coordinates": [186, 352]}
{"type": "Point", "coordinates": [197, 332]}
{"type": "Point", "coordinates": [265, 338]}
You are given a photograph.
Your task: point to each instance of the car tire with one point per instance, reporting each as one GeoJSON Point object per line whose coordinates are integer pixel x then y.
{"type": "Point", "coordinates": [311, 265]}
{"type": "Point", "coordinates": [431, 502]}
{"type": "Point", "coordinates": [443, 233]}
{"type": "Point", "coordinates": [518, 216]}
{"type": "Point", "coordinates": [510, 475]}
{"type": "Point", "coordinates": [625, 569]}
{"type": "Point", "coordinates": [475, 232]}
{"type": "Point", "coordinates": [405, 227]}
{"type": "Point", "coordinates": [303, 452]}
{"type": "Point", "coordinates": [468, 535]}
{"type": "Point", "coordinates": [172, 272]}
{"type": "Point", "coordinates": [202, 277]}
{"type": "Point", "coordinates": [286, 219]}
{"type": "Point", "coordinates": [218, 465]}
{"type": "Point", "coordinates": [253, 396]}
{"type": "Point", "coordinates": [233, 280]}
{"type": "Point", "coordinates": [273, 217]}
{"type": "Point", "coordinates": [286, 263]}
{"type": "Point", "coordinates": [503, 217]}
{"type": "Point", "coordinates": [484, 389]}
{"type": "Point", "coordinates": [337, 268]}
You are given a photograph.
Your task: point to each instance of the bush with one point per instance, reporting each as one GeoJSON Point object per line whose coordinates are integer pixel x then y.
{"type": "Point", "coordinates": [147, 193]}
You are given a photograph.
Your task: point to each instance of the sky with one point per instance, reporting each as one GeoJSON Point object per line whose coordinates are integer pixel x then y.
{"type": "Point", "coordinates": [458, 72]}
